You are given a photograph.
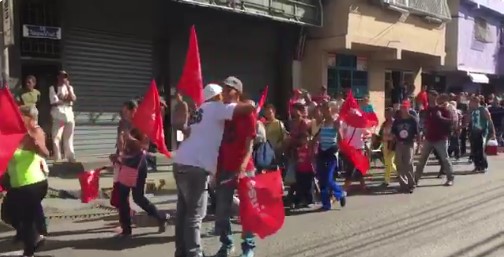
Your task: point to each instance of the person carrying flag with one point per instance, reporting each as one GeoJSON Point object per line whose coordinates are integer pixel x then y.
{"type": "Point", "coordinates": [234, 162]}
{"type": "Point", "coordinates": [194, 161]}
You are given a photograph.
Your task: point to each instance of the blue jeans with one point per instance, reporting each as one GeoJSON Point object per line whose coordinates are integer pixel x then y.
{"type": "Point", "coordinates": [226, 186]}
{"type": "Point", "coordinates": [326, 165]}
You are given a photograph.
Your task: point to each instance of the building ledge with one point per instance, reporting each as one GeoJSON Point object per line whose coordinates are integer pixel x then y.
{"type": "Point", "coordinates": [301, 12]}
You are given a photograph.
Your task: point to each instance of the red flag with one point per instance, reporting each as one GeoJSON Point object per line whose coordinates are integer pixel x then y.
{"type": "Point", "coordinates": [262, 100]}
{"type": "Point", "coordinates": [12, 128]}
{"type": "Point", "coordinates": [261, 204]}
{"type": "Point", "coordinates": [149, 120]}
{"type": "Point", "coordinates": [352, 114]}
{"type": "Point", "coordinates": [356, 156]}
{"type": "Point", "coordinates": [90, 185]}
{"type": "Point", "coordinates": [191, 81]}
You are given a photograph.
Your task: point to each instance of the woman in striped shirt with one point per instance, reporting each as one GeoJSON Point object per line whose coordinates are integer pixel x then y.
{"type": "Point", "coordinates": [327, 138]}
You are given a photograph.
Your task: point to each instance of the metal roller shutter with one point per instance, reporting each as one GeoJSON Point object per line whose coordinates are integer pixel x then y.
{"type": "Point", "coordinates": [105, 70]}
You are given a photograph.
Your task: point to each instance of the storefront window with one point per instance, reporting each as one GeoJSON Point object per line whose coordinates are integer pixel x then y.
{"type": "Point", "coordinates": [349, 71]}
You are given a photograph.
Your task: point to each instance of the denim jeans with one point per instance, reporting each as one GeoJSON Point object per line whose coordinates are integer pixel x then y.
{"type": "Point", "coordinates": [327, 163]}
{"type": "Point", "coordinates": [441, 147]}
{"type": "Point", "coordinates": [226, 186]}
{"type": "Point", "coordinates": [478, 139]}
{"type": "Point", "coordinates": [192, 183]}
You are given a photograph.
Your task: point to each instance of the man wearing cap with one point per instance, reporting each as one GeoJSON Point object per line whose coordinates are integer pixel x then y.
{"type": "Point", "coordinates": [194, 161]}
{"type": "Point", "coordinates": [234, 161]}
{"type": "Point", "coordinates": [437, 125]}
{"type": "Point", "coordinates": [405, 131]}
{"type": "Point", "coordinates": [62, 97]}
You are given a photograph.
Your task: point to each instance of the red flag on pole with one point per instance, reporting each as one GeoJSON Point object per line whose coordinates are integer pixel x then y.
{"type": "Point", "coordinates": [149, 120]}
{"type": "Point", "coordinates": [12, 128]}
{"type": "Point", "coordinates": [261, 204]}
{"type": "Point", "coordinates": [352, 114]}
{"type": "Point", "coordinates": [262, 100]}
{"type": "Point", "coordinates": [191, 81]}
{"type": "Point", "coordinates": [354, 117]}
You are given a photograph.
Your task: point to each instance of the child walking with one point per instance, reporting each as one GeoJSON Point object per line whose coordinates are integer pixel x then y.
{"type": "Point", "coordinates": [388, 146]}
{"type": "Point", "coordinates": [304, 172]}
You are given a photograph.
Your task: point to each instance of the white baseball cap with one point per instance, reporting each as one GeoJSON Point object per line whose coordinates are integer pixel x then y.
{"type": "Point", "coordinates": [211, 90]}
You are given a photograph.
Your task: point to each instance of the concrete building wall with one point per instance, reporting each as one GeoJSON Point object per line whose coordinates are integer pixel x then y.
{"type": "Point", "coordinates": [472, 55]}
{"type": "Point", "coordinates": [380, 35]}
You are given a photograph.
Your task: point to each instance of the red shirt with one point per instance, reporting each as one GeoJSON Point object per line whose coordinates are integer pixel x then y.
{"type": "Point", "coordinates": [437, 129]}
{"type": "Point", "coordinates": [304, 160]}
{"type": "Point", "coordinates": [422, 98]}
{"type": "Point", "coordinates": [233, 150]}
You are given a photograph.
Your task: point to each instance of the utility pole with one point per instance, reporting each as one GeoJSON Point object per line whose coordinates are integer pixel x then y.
{"type": "Point", "coordinates": [7, 14]}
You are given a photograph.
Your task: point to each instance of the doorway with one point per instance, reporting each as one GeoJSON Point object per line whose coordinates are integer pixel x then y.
{"type": "Point", "coordinates": [46, 77]}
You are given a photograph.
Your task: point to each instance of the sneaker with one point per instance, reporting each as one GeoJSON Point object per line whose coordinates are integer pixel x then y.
{"type": "Point", "coordinates": [247, 253]}
{"type": "Point", "coordinates": [225, 251]}
{"type": "Point", "coordinates": [123, 235]}
{"type": "Point", "coordinates": [162, 226]}
{"type": "Point", "coordinates": [39, 243]}
{"type": "Point", "coordinates": [342, 201]}
{"type": "Point", "coordinates": [384, 184]}
{"type": "Point", "coordinates": [449, 183]}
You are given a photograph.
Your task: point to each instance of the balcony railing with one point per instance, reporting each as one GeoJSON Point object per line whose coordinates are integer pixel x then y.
{"type": "Point", "coordinates": [299, 11]}
{"type": "Point", "coordinates": [430, 8]}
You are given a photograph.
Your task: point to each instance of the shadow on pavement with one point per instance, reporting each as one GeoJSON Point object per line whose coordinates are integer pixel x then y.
{"type": "Point", "coordinates": [101, 243]}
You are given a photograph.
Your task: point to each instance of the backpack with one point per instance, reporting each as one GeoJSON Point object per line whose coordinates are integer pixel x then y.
{"type": "Point", "coordinates": [264, 156]}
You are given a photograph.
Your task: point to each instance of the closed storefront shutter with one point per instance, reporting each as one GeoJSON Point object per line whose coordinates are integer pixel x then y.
{"type": "Point", "coordinates": [105, 70]}
{"type": "Point", "coordinates": [228, 46]}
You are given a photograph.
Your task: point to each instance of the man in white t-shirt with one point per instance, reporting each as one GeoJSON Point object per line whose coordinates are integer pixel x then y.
{"type": "Point", "coordinates": [62, 97]}
{"type": "Point", "coordinates": [194, 161]}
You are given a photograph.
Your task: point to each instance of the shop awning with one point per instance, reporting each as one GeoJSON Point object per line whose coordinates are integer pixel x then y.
{"type": "Point", "coordinates": [478, 78]}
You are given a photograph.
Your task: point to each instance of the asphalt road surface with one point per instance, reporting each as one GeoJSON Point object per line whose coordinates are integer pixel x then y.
{"type": "Point", "coordinates": [436, 221]}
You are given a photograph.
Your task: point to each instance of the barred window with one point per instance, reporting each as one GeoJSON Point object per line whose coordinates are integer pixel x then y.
{"type": "Point", "coordinates": [482, 31]}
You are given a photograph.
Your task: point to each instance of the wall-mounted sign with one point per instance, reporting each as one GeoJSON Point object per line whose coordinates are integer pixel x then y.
{"type": "Point", "coordinates": [331, 60]}
{"type": "Point", "coordinates": [8, 22]}
{"type": "Point", "coordinates": [361, 63]}
{"type": "Point", "coordinates": [34, 31]}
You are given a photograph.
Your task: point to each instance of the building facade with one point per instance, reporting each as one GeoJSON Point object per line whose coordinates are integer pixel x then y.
{"type": "Point", "coordinates": [475, 59]}
{"type": "Point", "coordinates": [112, 49]}
{"type": "Point", "coordinates": [370, 46]}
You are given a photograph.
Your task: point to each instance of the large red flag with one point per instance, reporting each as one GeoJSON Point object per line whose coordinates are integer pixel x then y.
{"type": "Point", "coordinates": [354, 117]}
{"type": "Point", "coordinates": [261, 204]}
{"type": "Point", "coordinates": [12, 128]}
{"type": "Point", "coordinates": [149, 120]}
{"type": "Point", "coordinates": [262, 100]}
{"type": "Point", "coordinates": [352, 114]}
{"type": "Point", "coordinates": [191, 81]}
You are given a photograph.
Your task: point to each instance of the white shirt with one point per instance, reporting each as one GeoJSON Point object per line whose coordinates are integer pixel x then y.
{"type": "Point", "coordinates": [62, 112]}
{"type": "Point", "coordinates": [201, 148]}
{"type": "Point", "coordinates": [348, 131]}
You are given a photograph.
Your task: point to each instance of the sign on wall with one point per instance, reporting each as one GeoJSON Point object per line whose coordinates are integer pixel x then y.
{"type": "Point", "coordinates": [8, 22]}
{"type": "Point", "coordinates": [34, 31]}
{"type": "Point", "coordinates": [362, 63]}
{"type": "Point", "coordinates": [331, 61]}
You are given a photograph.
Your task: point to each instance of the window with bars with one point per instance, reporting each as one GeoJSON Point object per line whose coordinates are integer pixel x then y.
{"type": "Point", "coordinates": [40, 13]}
{"type": "Point", "coordinates": [435, 8]}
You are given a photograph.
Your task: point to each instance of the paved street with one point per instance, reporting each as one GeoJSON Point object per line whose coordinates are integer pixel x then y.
{"type": "Point", "coordinates": [464, 220]}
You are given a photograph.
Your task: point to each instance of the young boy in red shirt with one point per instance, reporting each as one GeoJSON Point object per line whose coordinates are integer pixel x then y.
{"type": "Point", "coordinates": [304, 172]}
{"type": "Point", "coordinates": [234, 161]}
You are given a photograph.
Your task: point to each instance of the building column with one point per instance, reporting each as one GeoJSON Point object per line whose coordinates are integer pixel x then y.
{"type": "Point", "coordinates": [376, 86]}
{"type": "Point", "coordinates": [314, 67]}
